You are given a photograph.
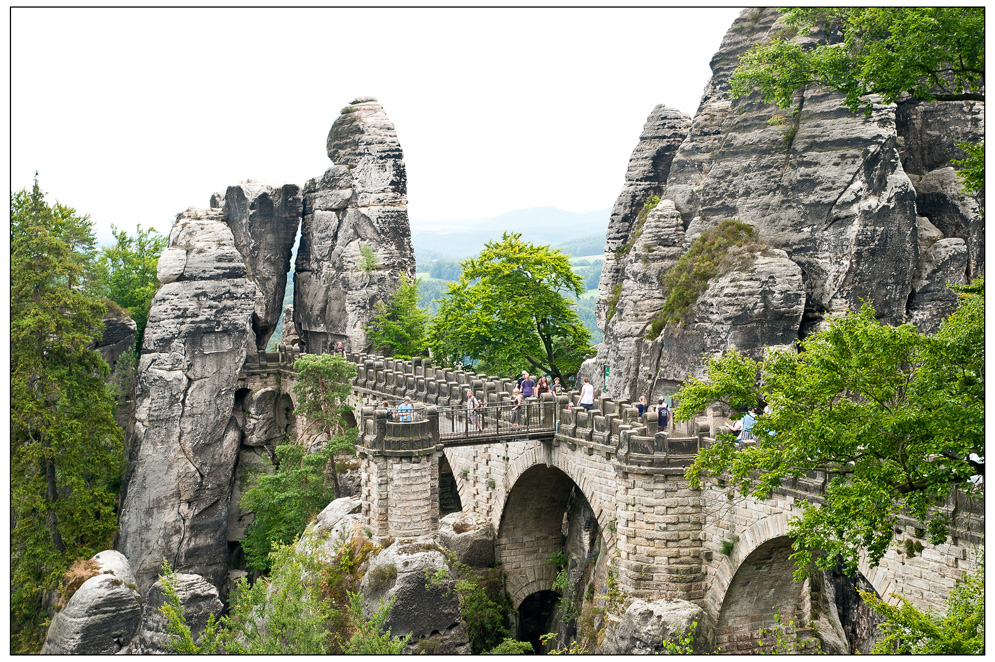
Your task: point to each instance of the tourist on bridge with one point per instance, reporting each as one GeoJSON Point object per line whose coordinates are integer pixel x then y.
{"type": "Point", "coordinates": [473, 408]}
{"type": "Point", "coordinates": [405, 409]}
{"type": "Point", "coordinates": [587, 395]}
{"type": "Point", "coordinates": [744, 427]}
{"type": "Point", "coordinates": [522, 378]}
{"type": "Point", "coordinates": [662, 415]}
{"type": "Point", "coordinates": [516, 411]}
{"type": "Point", "coordinates": [339, 349]}
{"type": "Point", "coordinates": [641, 407]}
{"type": "Point", "coordinates": [557, 387]}
{"type": "Point", "coordinates": [390, 413]}
{"type": "Point", "coordinates": [542, 386]}
{"type": "Point", "coordinates": [528, 386]}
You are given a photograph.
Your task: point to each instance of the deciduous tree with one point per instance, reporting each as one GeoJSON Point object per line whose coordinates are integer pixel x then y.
{"type": "Point", "coordinates": [131, 279]}
{"type": "Point", "coordinates": [895, 418]}
{"type": "Point", "coordinates": [511, 310]}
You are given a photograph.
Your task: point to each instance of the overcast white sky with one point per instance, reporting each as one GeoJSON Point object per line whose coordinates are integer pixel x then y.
{"type": "Point", "coordinates": [132, 115]}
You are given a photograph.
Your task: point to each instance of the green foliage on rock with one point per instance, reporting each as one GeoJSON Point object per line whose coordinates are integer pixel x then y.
{"type": "Point", "coordinates": [66, 454]}
{"type": "Point", "coordinates": [130, 267]}
{"type": "Point", "coordinates": [895, 418]}
{"type": "Point", "coordinates": [290, 613]}
{"type": "Point", "coordinates": [306, 478]}
{"type": "Point", "coordinates": [932, 53]}
{"type": "Point", "coordinates": [511, 647]}
{"type": "Point", "coordinates": [912, 631]}
{"type": "Point", "coordinates": [484, 603]}
{"type": "Point", "coordinates": [398, 329]}
{"type": "Point", "coordinates": [510, 311]}
{"type": "Point", "coordinates": [709, 254]}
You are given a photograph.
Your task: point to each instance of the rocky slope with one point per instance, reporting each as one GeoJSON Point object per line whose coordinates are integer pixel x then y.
{"type": "Point", "coordinates": [175, 503]}
{"type": "Point", "coordinates": [355, 237]}
{"type": "Point", "coordinates": [837, 201]}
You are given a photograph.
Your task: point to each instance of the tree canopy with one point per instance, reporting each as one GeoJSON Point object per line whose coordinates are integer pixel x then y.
{"type": "Point", "coordinates": [130, 266]}
{"type": "Point", "coordinates": [511, 311]}
{"type": "Point", "coordinates": [66, 455]}
{"type": "Point", "coordinates": [399, 327]}
{"type": "Point", "coordinates": [932, 53]}
{"type": "Point", "coordinates": [895, 418]}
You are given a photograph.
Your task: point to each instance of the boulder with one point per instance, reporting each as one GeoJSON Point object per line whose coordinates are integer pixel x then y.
{"type": "Point", "coordinates": [199, 600]}
{"type": "Point", "coordinates": [400, 573]}
{"type": "Point", "coordinates": [264, 221]}
{"type": "Point", "coordinates": [336, 524]}
{"type": "Point", "coordinates": [355, 236]}
{"type": "Point", "coordinates": [102, 616]}
{"type": "Point", "coordinates": [470, 537]}
{"type": "Point", "coordinates": [185, 442]}
{"type": "Point", "coordinates": [646, 624]}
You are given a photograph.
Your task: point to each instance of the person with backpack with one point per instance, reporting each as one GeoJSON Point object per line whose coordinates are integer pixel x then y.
{"type": "Point", "coordinates": [473, 408]}
{"type": "Point", "coordinates": [662, 415]}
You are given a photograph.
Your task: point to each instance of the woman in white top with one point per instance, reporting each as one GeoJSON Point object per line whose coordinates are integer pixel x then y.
{"type": "Point", "coordinates": [587, 395]}
{"type": "Point", "coordinates": [472, 410]}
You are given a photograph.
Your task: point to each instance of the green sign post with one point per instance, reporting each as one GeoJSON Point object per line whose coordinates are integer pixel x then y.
{"type": "Point", "coordinates": [606, 378]}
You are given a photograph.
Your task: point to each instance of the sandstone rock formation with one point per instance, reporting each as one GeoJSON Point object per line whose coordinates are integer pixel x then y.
{"type": "Point", "coordinates": [199, 600]}
{"type": "Point", "coordinates": [264, 221]}
{"type": "Point", "coordinates": [470, 537]}
{"type": "Point", "coordinates": [399, 573]}
{"type": "Point", "coordinates": [175, 503]}
{"type": "Point", "coordinates": [355, 238]}
{"type": "Point", "coordinates": [834, 197]}
{"type": "Point", "coordinates": [102, 616]}
{"type": "Point", "coordinates": [649, 166]}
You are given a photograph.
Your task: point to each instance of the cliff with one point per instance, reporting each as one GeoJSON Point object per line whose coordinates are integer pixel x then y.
{"type": "Point", "coordinates": [844, 208]}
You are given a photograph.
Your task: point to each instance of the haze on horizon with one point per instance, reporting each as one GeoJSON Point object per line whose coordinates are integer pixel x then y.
{"type": "Point", "coordinates": [132, 115]}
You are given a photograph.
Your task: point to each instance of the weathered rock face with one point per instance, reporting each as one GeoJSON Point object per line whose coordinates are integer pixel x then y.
{"type": "Point", "coordinates": [355, 237]}
{"type": "Point", "coordinates": [199, 600]}
{"type": "Point", "coordinates": [118, 338]}
{"type": "Point", "coordinates": [102, 617]}
{"type": "Point", "coordinates": [470, 537]}
{"type": "Point", "coordinates": [264, 221]}
{"type": "Point", "coordinates": [177, 490]}
{"type": "Point", "coordinates": [825, 190]}
{"type": "Point", "coordinates": [399, 573]}
{"type": "Point", "coordinates": [649, 165]}
{"type": "Point", "coordinates": [646, 624]}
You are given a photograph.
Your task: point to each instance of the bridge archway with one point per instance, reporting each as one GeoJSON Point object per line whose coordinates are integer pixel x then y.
{"type": "Point", "coordinates": [531, 530]}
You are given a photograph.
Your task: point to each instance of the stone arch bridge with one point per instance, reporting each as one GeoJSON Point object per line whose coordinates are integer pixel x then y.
{"type": "Point", "coordinates": [665, 540]}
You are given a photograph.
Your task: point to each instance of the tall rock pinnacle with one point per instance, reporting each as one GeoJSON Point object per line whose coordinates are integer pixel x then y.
{"type": "Point", "coordinates": [355, 237]}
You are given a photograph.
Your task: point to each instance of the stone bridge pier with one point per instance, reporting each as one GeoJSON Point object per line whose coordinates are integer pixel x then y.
{"type": "Point", "coordinates": [400, 477]}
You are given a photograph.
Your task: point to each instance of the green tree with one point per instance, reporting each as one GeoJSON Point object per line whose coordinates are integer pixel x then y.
{"type": "Point", "coordinates": [931, 53]}
{"type": "Point", "coordinates": [130, 265]}
{"type": "Point", "coordinates": [66, 450]}
{"type": "Point", "coordinates": [510, 310]}
{"type": "Point", "coordinates": [895, 418]}
{"type": "Point", "coordinates": [911, 631]}
{"type": "Point", "coordinates": [282, 503]}
{"type": "Point", "coordinates": [399, 327]}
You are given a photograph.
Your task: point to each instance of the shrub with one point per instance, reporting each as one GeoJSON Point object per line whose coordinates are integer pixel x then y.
{"type": "Point", "coordinates": [511, 647]}
{"type": "Point", "coordinates": [78, 572]}
{"type": "Point", "coordinates": [613, 298]}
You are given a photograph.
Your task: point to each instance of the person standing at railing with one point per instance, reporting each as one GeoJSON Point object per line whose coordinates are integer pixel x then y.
{"type": "Point", "coordinates": [404, 410]}
{"type": "Point", "coordinates": [390, 413]}
{"type": "Point", "coordinates": [641, 407]}
{"type": "Point", "coordinates": [542, 386]}
{"type": "Point", "coordinates": [528, 386]}
{"type": "Point", "coordinates": [516, 411]}
{"type": "Point", "coordinates": [557, 387]}
{"type": "Point", "coordinates": [473, 408]}
{"type": "Point", "coordinates": [587, 395]}
{"type": "Point", "coordinates": [662, 415]}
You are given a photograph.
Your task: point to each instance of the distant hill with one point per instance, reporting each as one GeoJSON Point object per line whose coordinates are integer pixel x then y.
{"type": "Point", "coordinates": [540, 225]}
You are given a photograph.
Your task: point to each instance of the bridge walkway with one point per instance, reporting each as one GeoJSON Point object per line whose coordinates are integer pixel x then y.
{"type": "Point", "coordinates": [492, 423]}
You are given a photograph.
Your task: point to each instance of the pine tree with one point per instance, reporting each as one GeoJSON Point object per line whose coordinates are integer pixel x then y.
{"type": "Point", "coordinates": [66, 450]}
{"type": "Point", "coordinates": [400, 326]}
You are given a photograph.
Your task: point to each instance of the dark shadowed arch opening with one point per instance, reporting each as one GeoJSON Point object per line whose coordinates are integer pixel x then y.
{"type": "Point", "coordinates": [548, 528]}
{"type": "Point", "coordinates": [449, 501]}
